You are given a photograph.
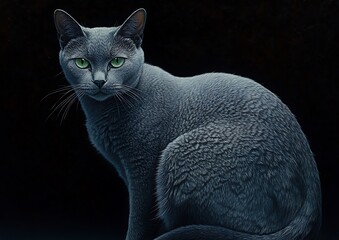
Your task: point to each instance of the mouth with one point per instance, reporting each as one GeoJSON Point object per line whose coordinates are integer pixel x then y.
{"type": "Point", "coordinates": [99, 96]}
{"type": "Point", "coordinates": [99, 93]}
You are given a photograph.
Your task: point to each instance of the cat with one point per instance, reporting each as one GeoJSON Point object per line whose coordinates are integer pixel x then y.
{"type": "Point", "coordinates": [213, 156]}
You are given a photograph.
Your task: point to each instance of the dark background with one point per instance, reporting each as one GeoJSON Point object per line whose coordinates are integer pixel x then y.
{"type": "Point", "coordinates": [52, 181]}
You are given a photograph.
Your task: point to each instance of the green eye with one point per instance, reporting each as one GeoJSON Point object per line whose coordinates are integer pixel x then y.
{"type": "Point", "coordinates": [117, 62]}
{"type": "Point", "coordinates": [81, 63]}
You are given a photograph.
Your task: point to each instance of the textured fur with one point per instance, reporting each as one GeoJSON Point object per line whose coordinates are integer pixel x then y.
{"type": "Point", "coordinates": [214, 156]}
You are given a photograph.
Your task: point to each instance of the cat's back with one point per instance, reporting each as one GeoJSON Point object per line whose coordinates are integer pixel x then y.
{"type": "Point", "coordinates": [190, 102]}
{"type": "Point", "coordinates": [215, 96]}
{"type": "Point", "coordinates": [231, 89]}
{"type": "Point", "coordinates": [205, 87]}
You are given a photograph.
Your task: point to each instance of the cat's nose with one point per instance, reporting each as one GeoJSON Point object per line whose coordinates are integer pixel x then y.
{"type": "Point", "coordinates": [99, 83]}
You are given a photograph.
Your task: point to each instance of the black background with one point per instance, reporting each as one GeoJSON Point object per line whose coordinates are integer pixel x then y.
{"type": "Point", "coordinates": [52, 181]}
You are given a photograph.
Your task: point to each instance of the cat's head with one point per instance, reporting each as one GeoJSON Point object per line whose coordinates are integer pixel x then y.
{"type": "Point", "coordinates": [101, 62]}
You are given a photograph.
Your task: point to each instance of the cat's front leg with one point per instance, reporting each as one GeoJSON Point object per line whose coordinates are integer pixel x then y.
{"type": "Point", "coordinates": [141, 224]}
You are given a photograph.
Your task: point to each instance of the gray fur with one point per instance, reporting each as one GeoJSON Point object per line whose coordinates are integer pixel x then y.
{"type": "Point", "coordinates": [214, 156]}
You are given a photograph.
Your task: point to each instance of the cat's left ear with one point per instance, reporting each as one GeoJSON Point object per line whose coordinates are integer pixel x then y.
{"type": "Point", "coordinates": [133, 27]}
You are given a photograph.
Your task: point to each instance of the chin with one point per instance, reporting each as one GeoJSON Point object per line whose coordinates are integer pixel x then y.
{"type": "Point", "coordinates": [100, 96]}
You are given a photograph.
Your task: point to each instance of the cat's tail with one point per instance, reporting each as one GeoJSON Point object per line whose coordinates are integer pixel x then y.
{"type": "Point", "coordinates": [305, 225]}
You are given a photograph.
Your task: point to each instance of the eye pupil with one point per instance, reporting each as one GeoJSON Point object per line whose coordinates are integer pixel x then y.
{"type": "Point", "coordinates": [82, 63]}
{"type": "Point", "coordinates": [117, 62]}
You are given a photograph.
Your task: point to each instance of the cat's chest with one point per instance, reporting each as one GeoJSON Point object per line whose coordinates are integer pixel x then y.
{"type": "Point", "coordinates": [129, 138]}
{"type": "Point", "coordinates": [107, 137]}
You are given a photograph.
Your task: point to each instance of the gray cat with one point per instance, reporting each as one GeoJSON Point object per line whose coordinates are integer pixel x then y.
{"type": "Point", "coordinates": [214, 156]}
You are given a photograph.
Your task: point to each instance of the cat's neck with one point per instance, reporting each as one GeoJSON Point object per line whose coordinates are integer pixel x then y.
{"type": "Point", "coordinates": [96, 110]}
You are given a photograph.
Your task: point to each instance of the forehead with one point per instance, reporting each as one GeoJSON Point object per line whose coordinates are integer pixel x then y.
{"type": "Point", "coordinates": [100, 42]}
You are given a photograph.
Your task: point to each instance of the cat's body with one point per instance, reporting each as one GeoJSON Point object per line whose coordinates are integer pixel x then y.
{"type": "Point", "coordinates": [214, 156]}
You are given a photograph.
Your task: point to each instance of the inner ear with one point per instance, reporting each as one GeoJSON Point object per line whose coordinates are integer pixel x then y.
{"type": "Point", "coordinates": [134, 26]}
{"type": "Point", "coordinates": [67, 27]}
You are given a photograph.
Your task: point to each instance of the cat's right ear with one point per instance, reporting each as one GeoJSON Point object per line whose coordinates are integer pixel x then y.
{"type": "Point", "coordinates": [67, 27]}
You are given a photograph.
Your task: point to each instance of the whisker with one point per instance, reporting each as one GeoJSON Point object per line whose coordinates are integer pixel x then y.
{"type": "Point", "coordinates": [59, 73]}
{"type": "Point", "coordinates": [60, 105]}
{"type": "Point", "coordinates": [66, 91]}
{"type": "Point", "coordinates": [118, 94]}
{"type": "Point", "coordinates": [69, 96]}
{"type": "Point", "coordinates": [129, 103]}
{"type": "Point", "coordinates": [59, 90]}
{"type": "Point", "coordinates": [64, 95]}
{"type": "Point", "coordinates": [81, 94]}
{"type": "Point", "coordinates": [116, 99]}
{"type": "Point", "coordinates": [78, 95]}
{"type": "Point", "coordinates": [69, 104]}
{"type": "Point", "coordinates": [130, 91]}
{"type": "Point", "coordinates": [133, 96]}
{"type": "Point", "coordinates": [129, 87]}
{"type": "Point", "coordinates": [67, 100]}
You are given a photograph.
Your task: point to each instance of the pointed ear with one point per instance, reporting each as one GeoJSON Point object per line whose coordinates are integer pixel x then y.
{"type": "Point", "coordinates": [67, 27]}
{"type": "Point", "coordinates": [133, 27]}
